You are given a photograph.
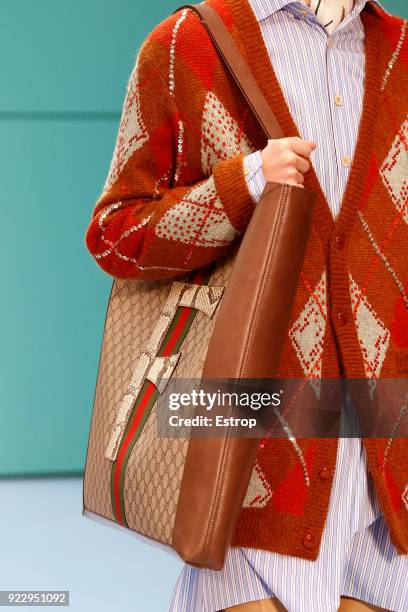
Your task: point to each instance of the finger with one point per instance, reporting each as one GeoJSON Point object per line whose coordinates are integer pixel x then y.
{"type": "Point", "coordinates": [302, 147]}
{"type": "Point", "coordinates": [294, 178]}
{"type": "Point", "coordinates": [299, 178]}
{"type": "Point", "coordinates": [294, 183]}
{"type": "Point", "coordinates": [302, 164]}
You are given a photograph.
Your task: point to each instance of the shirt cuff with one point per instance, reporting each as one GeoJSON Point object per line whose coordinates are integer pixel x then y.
{"type": "Point", "coordinates": [254, 175]}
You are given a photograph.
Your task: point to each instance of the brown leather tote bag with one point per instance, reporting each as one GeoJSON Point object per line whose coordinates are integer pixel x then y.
{"type": "Point", "coordinates": [225, 321]}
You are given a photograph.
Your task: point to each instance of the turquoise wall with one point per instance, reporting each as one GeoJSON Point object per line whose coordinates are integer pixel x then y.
{"type": "Point", "coordinates": [64, 69]}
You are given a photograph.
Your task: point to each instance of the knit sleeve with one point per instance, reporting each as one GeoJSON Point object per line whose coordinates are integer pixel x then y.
{"type": "Point", "coordinates": [148, 222]}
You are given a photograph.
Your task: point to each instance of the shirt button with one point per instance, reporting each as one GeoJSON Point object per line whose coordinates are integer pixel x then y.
{"type": "Point", "coordinates": [309, 541]}
{"type": "Point", "coordinates": [339, 241]}
{"type": "Point", "coordinates": [325, 473]}
{"type": "Point", "coordinates": [345, 160]}
{"type": "Point", "coordinates": [338, 100]}
{"type": "Point", "coordinates": [342, 317]}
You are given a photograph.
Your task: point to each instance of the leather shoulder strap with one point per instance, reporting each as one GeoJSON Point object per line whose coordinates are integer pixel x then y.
{"type": "Point", "coordinates": [237, 66]}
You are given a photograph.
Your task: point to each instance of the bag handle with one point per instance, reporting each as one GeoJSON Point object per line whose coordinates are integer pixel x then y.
{"type": "Point", "coordinates": [237, 66]}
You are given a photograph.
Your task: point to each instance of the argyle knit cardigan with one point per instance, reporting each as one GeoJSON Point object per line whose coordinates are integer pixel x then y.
{"type": "Point", "coordinates": [176, 199]}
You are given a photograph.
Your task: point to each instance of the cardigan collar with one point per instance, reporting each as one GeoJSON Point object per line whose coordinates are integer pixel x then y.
{"type": "Point", "coordinates": [248, 36]}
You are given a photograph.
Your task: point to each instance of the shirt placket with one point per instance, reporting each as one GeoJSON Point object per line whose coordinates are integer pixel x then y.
{"type": "Point", "coordinates": [329, 159]}
{"type": "Point", "coordinates": [338, 114]}
{"type": "Point", "coordinates": [341, 155]}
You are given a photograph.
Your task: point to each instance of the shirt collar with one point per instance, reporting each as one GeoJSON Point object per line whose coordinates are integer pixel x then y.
{"type": "Point", "coordinates": [265, 8]}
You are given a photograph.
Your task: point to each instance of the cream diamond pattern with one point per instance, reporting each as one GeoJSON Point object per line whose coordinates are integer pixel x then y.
{"type": "Point", "coordinates": [307, 332]}
{"type": "Point", "coordinates": [259, 491]}
{"type": "Point", "coordinates": [221, 137]}
{"type": "Point", "coordinates": [373, 336]}
{"type": "Point", "coordinates": [132, 133]}
{"type": "Point", "coordinates": [394, 171]}
{"type": "Point", "coordinates": [199, 218]}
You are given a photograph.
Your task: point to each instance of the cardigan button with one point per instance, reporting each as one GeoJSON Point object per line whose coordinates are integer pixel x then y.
{"type": "Point", "coordinates": [342, 317]}
{"type": "Point", "coordinates": [325, 473]}
{"type": "Point", "coordinates": [339, 241]}
{"type": "Point", "coordinates": [309, 541]}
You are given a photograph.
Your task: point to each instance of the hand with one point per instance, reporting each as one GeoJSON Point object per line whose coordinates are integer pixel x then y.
{"type": "Point", "coordinates": [284, 160]}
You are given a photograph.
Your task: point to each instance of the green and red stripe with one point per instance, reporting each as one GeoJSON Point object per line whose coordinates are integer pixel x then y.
{"type": "Point", "coordinates": [148, 394]}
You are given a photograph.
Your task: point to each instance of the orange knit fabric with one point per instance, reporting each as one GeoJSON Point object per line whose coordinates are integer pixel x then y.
{"type": "Point", "coordinates": [176, 199]}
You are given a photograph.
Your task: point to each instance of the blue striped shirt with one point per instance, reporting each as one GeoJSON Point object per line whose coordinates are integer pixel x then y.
{"type": "Point", "coordinates": [322, 78]}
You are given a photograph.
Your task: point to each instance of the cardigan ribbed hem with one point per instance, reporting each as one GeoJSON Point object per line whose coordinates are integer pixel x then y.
{"type": "Point", "coordinates": [233, 191]}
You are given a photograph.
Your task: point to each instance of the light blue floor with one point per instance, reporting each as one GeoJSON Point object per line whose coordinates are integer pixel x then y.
{"type": "Point", "coordinates": [46, 543]}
